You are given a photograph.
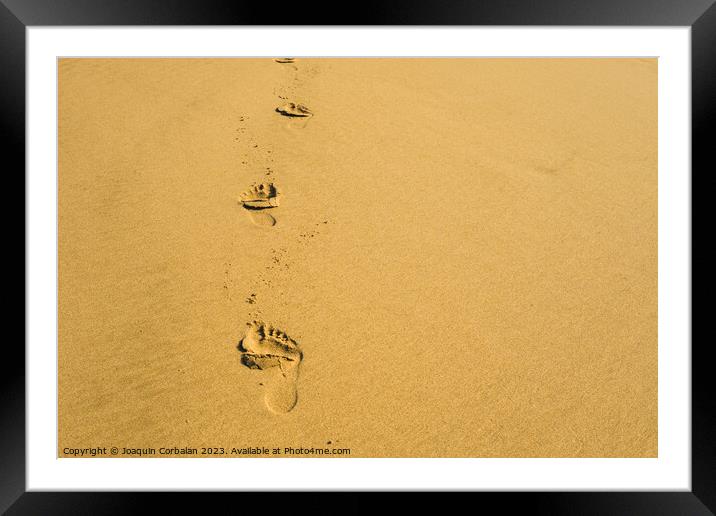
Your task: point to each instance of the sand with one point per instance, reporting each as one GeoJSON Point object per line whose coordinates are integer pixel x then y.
{"type": "Point", "coordinates": [444, 257]}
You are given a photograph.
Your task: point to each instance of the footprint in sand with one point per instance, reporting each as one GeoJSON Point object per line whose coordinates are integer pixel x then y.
{"type": "Point", "coordinates": [258, 200]}
{"type": "Point", "coordinates": [284, 60]}
{"type": "Point", "coordinates": [269, 349]}
{"type": "Point", "coordinates": [291, 109]}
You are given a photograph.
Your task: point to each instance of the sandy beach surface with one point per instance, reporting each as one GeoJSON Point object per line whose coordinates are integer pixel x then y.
{"type": "Point", "coordinates": [444, 257]}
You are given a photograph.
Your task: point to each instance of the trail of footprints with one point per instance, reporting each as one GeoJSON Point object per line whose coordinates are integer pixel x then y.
{"type": "Point", "coordinates": [263, 347]}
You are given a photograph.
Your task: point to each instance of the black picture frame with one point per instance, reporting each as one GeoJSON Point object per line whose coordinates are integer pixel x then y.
{"type": "Point", "coordinates": [700, 15]}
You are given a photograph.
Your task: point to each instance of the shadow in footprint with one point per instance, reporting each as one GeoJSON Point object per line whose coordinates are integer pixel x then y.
{"type": "Point", "coordinates": [258, 200]}
{"type": "Point", "coordinates": [298, 115]}
{"type": "Point", "coordinates": [269, 349]}
{"type": "Point", "coordinates": [293, 110]}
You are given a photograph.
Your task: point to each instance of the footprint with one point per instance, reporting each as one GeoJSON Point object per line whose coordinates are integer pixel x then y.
{"type": "Point", "coordinates": [258, 200]}
{"type": "Point", "coordinates": [269, 349]}
{"type": "Point", "coordinates": [294, 110]}
{"type": "Point", "coordinates": [283, 60]}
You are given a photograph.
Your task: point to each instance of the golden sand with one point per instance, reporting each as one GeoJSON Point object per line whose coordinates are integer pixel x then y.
{"type": "Point", "coordinates": [444, 257]}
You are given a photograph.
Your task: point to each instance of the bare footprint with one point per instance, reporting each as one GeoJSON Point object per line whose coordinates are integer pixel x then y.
{"type": "Point", "coordinates": [269, 349]}
{"type": "Point", "coordinates": [292, 109]}
{"type": "Point", "coordinates": [258, 200]}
